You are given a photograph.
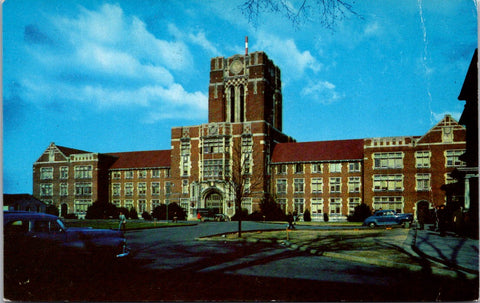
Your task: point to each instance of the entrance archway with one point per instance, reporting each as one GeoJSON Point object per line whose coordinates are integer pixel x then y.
{"type": "Point", "coordinates": [423, 208]}
{"type": "Point", "coordinates": [214, 200]}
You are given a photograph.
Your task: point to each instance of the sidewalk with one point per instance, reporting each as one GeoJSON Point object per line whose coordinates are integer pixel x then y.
{"type": "Point", "coordinates": [412, 249]}
{"type": "Point", "coordinates": [455, 252]}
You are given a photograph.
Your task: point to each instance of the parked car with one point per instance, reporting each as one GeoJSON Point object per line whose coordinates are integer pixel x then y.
{"type": "Point", "coordinates": [388, 217]}
{"type": "Point", "coordinates": [221, 217]}
{"type": "Point", "coordinates": [38, 240]}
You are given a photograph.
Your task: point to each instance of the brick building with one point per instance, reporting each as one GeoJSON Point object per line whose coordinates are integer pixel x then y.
{"type": "Point", "coordinates": [243, 146]}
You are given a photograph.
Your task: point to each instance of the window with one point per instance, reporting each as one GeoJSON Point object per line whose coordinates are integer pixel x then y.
{"type": "Point", "coordinates": [142, 188]}
{"type": "Point", "coordinates": [184, 186]}
{"type": "Point", "coordinates": [247, 204]}
{"type": "Point", "coordinates": [298, 205]}
{"type": "Point", "coordinates": [282, 203]}
{"type": "Point", "coordinates": [184, 204]}
{"type": "Point", "coordinates": [167, 173]}
{"type": "Point", "coordinates": [168, 188]}
{"type": "Point", "coordinates": [142, 174]}
{"type": "Point", "coordinates": [298, 185]}
{"type": "Point", "coordinates": [352, 203]}
{"type": "Point", "coordinates": [185, 157]}
{"type": "Point", "coordinates": [46, 190]}
{"type": "Point", "coordinates": [155, 173]}
{"type": "Point", "coordinates": [46, 173]}
{"type": "Point", "coordinates": [129, 189]}
{"type": "Point", "coordinates": [116, 202]}
{"type": "Point", "coordinates": [116, 189]}
{"type": "Point", "coordinates": [387, 182]}
{"type": "Point", "coordinates": [335, 185]}
{"type": "Point", "coordinates": [422, 159]}
{"type": "Point", "coordinates": [83, 189]}
{"type": "Point", "coordinates": [449, 179]}
{"type": "Point", "coordinates": [281, 169]}
{"type": "Point", "coordinates": [316, 168]}
{"type": "Point", "coordinates": [451, 158]}
{"type": "Point", "coordinates": [63, 189]}
{"type": "Point", "coordinates": [335, 206]}
{"type": "Point", "coordinates": [423, 182]}
{"type": "Point", "coordinates": [335, 167]}
{"type": "Point", "coordinates": [128, 204]}
{"type": "Point", "coordinates": [317, 185]}
{"type": "Point", "coordinates": [83, 171]}
{"type": "Point", "coordinates": [354, 167]}
{"type": "Point", "coordinates": [316, 207]}
{"type": "Point", "coordinates": [388, 160]}
{"type": "Point", "coordinates": [214, 168]}
{"type": "Point", "coordinates": [299, 168]}
{"type": "Point", "coordinates": [395, 203]}
{"type": "Point", "coordinates": [64, 172]}
{"type": "Point", "coordinates": [354, 184]}
{"type": "Point", "coordinates": [81, 206]}
{"type": "Point", "coordinates": [155, 203]}
{"type": "Point", "coordinates": [247, 154]}
{"type": "Point", "coordinates": [116, 175]}
{"type": "Point", "coordinates": [129, 174]}
{"type": "Point", "coordinates": [155, 188]}
{"type": "Point", "coordinates": [281, 186]}
{"type": "Point", "coordinates": [213, 146]}
{"type": "Point", "coordinates": [142, 206]}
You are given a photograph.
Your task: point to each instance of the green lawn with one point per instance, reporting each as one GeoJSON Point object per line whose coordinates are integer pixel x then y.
{"type": "Point", "coordinates": [113, 224]}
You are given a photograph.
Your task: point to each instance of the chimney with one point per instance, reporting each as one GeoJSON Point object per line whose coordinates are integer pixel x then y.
{"type": "Point", "coordinates": [246, 45]}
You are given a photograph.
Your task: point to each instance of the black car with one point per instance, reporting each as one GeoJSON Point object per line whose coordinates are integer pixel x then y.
{"type": "Point", "coordinates": [34, 241]}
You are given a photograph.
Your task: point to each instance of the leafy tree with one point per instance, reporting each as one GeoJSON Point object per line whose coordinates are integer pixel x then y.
{"type": "Point", "coordinates": [270, 209]}
{"type": "Point", "coordinates": [102, 210]}
{"type": "Point", "coordinates": [326, 12]}
{"type": "Point", "coordinates": [146, 216]}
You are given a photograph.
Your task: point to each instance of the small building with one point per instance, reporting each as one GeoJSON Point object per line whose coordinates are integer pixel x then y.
{"type": "Point", "coordinates": [23, 202]}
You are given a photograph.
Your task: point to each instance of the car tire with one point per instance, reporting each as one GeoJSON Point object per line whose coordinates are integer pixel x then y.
{"type": "Point", "coordinates": [372, 225]}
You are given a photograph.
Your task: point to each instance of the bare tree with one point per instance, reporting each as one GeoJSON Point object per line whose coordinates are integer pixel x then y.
{"type": "Point", "coordinates": [326, 12]}
{"type": "Point", "coordinates": [243, 183]}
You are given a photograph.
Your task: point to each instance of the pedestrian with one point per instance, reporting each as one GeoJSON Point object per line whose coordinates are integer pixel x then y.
{"type": "Point", "coordinates": [442, 220]}
{"type": "Point", "coordinates": [421, 217]}
{"type": "Point", "coordinates": [290, 221]}
{"type": "Point", "coordinates": [122, 222]}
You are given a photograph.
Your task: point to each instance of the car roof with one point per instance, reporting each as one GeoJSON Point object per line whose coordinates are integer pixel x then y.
{"type": "Point", "coordinates": [12, 215]}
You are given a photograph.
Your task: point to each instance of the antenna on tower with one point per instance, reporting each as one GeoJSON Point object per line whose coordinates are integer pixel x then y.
{"type": "Point", "coordinates": [246, 45]}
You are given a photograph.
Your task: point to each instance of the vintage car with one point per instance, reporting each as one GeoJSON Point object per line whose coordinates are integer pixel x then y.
{"type": "Point", "coordinates": [388, 217]}
{"type": "Point", "coordinates": [33, 240]}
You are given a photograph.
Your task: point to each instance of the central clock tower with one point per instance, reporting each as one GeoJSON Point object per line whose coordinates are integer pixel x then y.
{"type": "Point", "coordinates": [245, 88]}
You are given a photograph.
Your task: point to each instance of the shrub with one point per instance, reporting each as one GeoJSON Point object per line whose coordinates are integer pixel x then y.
{"type": "Point", "coordinates": [255, 216]}
{"type": "Point", "coordinates": [52, 210]}
{"type": "Point", "coordinates": [146, 216]}
{"type": "Point", "coordinates": [361, 212]}
{"type": "Point", "coordinates": [306, 216]}
{"type": "Point", "coordinates": [71, 216]}
{"type": "Point", "coordinates": [132, 214]}
{"type": "Point", "coordinates": [325, 217]}
{"type": "Point", "coordinates": [101, 210]}
{"type": "Point", "coordinates": [272, 212]}
{"type": "Point", "coordinates": [160, 212]}
{"type": "Point", "coordinates": [243, 215]}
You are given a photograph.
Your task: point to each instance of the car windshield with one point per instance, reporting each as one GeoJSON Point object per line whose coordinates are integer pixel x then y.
{"type": "Point", "coordinates": [62, 224]}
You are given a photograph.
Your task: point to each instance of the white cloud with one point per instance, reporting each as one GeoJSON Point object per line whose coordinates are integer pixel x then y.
{"type": "Point", "coordinates": [106, 59]}
{"type": "Point", "coordinates": [286, 53]}
{"type": "Point", "coordinates": [323, 92]}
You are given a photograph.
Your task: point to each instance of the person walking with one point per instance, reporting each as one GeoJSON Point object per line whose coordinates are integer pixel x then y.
{"type": "Point", "coordinates": [122, 222]}
{"type": "Point", "coordinates": [290, 221]}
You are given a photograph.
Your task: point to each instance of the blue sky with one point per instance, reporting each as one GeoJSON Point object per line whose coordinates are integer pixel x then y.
{"type": "Point", "coordinates": [110, 76]}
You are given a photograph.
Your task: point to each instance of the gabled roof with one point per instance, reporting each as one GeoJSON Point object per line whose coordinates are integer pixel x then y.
{"type": "Point", "coordinates": [434, 134]}
{"type": "Point", "coordinates": [141, 159]}
{"type": "Point", "coordinates": [67, 151]}
{"type": "Point", "coordinates": [318, 151]}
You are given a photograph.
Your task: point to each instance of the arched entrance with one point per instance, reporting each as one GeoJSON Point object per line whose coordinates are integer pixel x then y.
{"type": "Point", "coordinates": [214, 200]}
{"type": "Point", "coordinates": [63, 210]}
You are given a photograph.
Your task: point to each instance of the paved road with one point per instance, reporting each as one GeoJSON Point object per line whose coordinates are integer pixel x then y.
{"type": "Point", "coordinates": [169, 264]}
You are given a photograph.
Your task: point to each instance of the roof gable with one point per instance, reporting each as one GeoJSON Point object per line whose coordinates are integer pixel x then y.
{"type": "Point", "coordinates": [141, 159]}
{"type": "Point", "coordinates": [447, 127]}
{"type": "Point", "coordinates": [318, 151]}
{"type": "Point", "coordinates": [59, 151]}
